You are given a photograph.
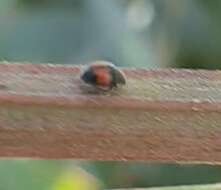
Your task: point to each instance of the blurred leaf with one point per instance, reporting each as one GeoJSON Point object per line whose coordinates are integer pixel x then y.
{"type": "Point", "coordinates": [76, 179]}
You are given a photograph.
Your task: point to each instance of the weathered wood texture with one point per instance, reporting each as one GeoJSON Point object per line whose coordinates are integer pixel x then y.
{"type": "Point", "coordinates": [160, 115]}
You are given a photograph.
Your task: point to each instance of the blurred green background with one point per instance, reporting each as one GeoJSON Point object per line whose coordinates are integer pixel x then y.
{"type": "Point", "coordinates": [130, 33]}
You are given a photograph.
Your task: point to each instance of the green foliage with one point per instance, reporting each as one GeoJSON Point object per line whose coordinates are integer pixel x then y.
{"type": "Point", "coordinates": [71, 175]}
{"type": "Point", "coordinates": [76, 179]}
{"type": "Point", "coordinates": [141, 33]}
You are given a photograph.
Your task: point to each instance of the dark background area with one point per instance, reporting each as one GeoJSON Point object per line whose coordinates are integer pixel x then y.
{"type": "Point", "coordinates": [130, 33]}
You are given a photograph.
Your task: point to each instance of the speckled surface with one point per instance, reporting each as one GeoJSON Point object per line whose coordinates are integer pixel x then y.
{"type": "Point", "coordinates": [160, 115]}
{"type": "Point", "coordinates": [57, 80]}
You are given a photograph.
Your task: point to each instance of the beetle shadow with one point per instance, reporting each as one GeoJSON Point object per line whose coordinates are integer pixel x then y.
{"type": "Point", "coordinates": [87, 89]}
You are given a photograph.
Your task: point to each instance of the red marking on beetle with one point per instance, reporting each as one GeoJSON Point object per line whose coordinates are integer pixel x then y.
{"type": "Point", "coordinates": [103, 76]}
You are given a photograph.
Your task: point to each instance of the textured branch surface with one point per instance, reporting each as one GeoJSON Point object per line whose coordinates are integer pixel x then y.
{"type": "Point", "coordinates": [160, 115]}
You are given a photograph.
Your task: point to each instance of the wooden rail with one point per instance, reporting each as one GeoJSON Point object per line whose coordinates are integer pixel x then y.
{"type": "Point", "coordinates": [160, 115]}
{"type": "Point", "coordinates": [183, 187]}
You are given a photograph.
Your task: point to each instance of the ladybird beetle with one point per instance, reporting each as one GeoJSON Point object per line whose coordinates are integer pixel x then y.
{"type": "Point", "coordinates": [103, 75]}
